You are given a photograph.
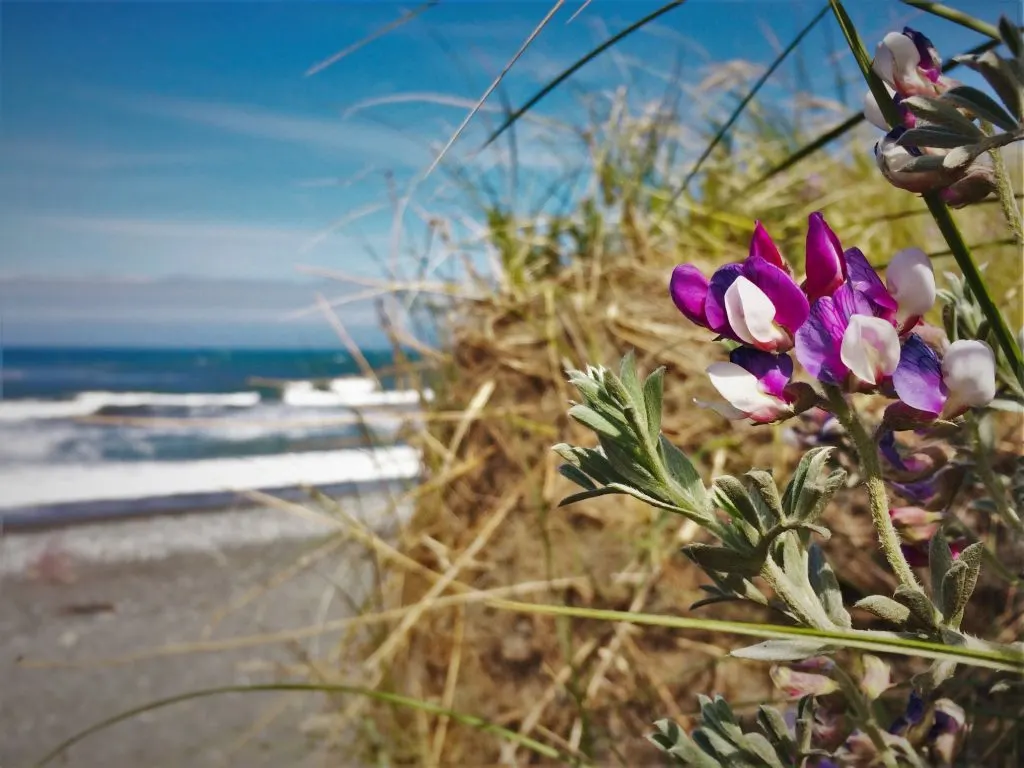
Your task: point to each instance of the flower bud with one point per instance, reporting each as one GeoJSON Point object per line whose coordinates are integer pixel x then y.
{"type": "Point", "coordinates": [911, 281]}
{"type": "Point", "coordinates": [796, 685]}
{"type": "Point", "coordinates": [978, 183]}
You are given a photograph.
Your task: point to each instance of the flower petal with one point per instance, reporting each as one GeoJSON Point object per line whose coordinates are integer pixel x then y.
{"type": "Point", "coordinates": [825, 266]}
{"type": "Point", "coordinates": [752, 314]}
{"type": "Point", "coordinates": [763, 247]}
{"type": "Point", "coordinates": [870, 348]}
{"type": "Point", "coordinates": [791, 305]}
{"type": "Point", "coordinates": [873, 112]}
{"type": "Point", "coordinates": [969, 372]}
{"type": "Point", "coordinates": [911, 281]}
{"type": "Point", "coordinates": [718, 318]}
{"type": "Point", "coordinates": [742, 391]}
{"type": "Point", "coordinates": [689, 289]}
{"type": "Point", "coordinates": [772, 371]}
{"type": "Point", "coordinates": [818, 341]}
{"type": "Point", "coordinates": [865, 281]}
{"type": "Point", "coordinates": [929, 61]}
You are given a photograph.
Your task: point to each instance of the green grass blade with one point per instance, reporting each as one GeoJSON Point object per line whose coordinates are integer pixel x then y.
{"type": "Point", "coordinates": [727, 126]}
{"type": "Point", "coordinates": [863, 59]}
{"type": "Point", "coordinates": [382, 696]}
{"type": "Point", "coordinates": [579, 64]}
{"type": "Point", "coordinates": [957, 17]}
{"type": "Point", "coordinates": [849, 124]}
{"type": "Point", "coordinates": [990, 656]}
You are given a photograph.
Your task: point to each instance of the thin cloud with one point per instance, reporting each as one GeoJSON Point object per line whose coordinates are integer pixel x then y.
{"type": "Point", "coordinates": [65, 157]}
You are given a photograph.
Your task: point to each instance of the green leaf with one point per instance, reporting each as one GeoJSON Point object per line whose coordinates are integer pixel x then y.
{"type": "Point", "coordinates": [588, 417]}
{"type": "Point", "coordinates": [732, 495]}
{"type": "Point", "coordinates": [684, 473]}
{"type": "Point", "coordinates": [826, 587]}
{"type": "Point", "coordinates": [940, 560]}
{"type": "Point", "coordinates": [724, 559]}
{"type": "Point", "coordinates": [959, 582]}
{"type": "Point", "coordinates": [925, 164]}
{"type": "Point", "coordinates": [781, 650]}
{"type": "Point", "coordinates": [810, 466]}
{"type": "Point", "coordinates": [676, 742]}
{"type": "Point", "coordinates": [579, 64]}
{"type": "Point", "coordinates": [776, 729]}
{"type": "Point", "coordinates": [1011, 36]}
{"type": "Point", "coordinates": [940, 112]}
{"type": "Point", "coordinates": [981, 105]}
{"type": "Point", "coordinates": [1000, 76]}
{"type": "Point", "coordinates": [885, 608]}
{"type": "Point", "coordinates": [920, 606]}
{"type": "Point", "coordinates": [576, 475]}
{"type": "Point", "coordinates": [759, 747]}
{"type": "Point", "coordinates": [934, 136]}
{"type": "Point", "coordinates": [765, 493]}
{"type": "Point", "coordinates": [652, 396]}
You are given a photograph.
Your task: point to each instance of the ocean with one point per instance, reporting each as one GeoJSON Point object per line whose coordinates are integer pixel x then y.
{"type": "Point", "coordinates": [99, 433]}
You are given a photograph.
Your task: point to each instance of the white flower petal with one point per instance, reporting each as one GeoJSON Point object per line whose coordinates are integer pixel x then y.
{"type": "Point", "coordinates": [870, 348]}
{"type": "Point", "coordinates": [873, 112]}
{"type": "Point", "coordinates": [743, 392]}
{"type": "Point", "coordinates": [896, 58]}
{"type": "Point", "coordinates": [969, 371]}
{"type": "Point", "coordinates": [722, 409]}
{"type": "Point", "coordinates": [752, 314]}
{"type": "Point", "coordinates": [911, 281]}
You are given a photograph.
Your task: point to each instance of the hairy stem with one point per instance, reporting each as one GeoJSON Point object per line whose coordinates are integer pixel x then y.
{"type": "Point", "coordinates": [862, 712]}
{"type": "Point", "coordinates": [1007, 201]}
{"type": "Point", "coordinates": [988, 478]}
{"type": "Point", "coordinates": [867, 450]}
{"type": "Point", "coordinates": [964, 260]}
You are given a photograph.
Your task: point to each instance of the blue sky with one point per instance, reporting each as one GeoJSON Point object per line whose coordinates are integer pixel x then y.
{"type": "Point", "coordinates": [179, 145]}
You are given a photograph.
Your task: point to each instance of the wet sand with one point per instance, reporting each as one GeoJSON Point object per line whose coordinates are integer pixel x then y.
{"type": "Point", "coordinates": [107, 590]}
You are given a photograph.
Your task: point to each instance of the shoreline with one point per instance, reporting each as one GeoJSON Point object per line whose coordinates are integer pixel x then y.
{"type": "Point", "coordinates": [99, 590]}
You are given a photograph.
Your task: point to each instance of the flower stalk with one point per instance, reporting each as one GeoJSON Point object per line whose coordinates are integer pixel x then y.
{"type": "Point", "coordinates": [867, 450]}
{"type": "Point", "coordinates": [1007, 201]}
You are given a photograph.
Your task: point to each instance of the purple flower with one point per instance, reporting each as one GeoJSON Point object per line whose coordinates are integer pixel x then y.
{"type": "Point", "coordinates": [843, 339]}
{"type": "Point", "coordinates": [964, 378]}
{"type": "Point", "coordinates": [909, 64]}
{"type": "Point", "coordinates": [825, 262]}
{"type": "Point", "coordinates": [754, 386]}
{"type": "Point", "coordinates": [910, 279]}
{"type": "Point", "coordinates": [755, 302]}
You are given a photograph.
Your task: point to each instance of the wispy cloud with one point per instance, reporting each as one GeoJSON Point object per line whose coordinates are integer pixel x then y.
{"type": "Point", "coordinates": [316, 132]}
{"type": "Point", "coordinates": [84, 159]}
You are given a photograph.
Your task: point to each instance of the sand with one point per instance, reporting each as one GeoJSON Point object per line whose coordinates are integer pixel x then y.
{"type": "Point", "coordinates": [110, 589]}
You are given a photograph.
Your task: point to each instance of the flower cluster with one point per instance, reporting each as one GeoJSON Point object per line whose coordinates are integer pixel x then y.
{"type": "Point", "coordinates": [846, 326]}
{"type": "Point", "coordinates": [909, 66]}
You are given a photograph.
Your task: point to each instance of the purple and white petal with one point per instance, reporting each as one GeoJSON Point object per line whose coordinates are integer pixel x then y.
{"type": "Point", "coordinates": [774, 372]}
{"type": "Point", "coordinates": [825, 266]}
{"type": "Point", "coordinates": [714, 308]}
{"type": "Point", "coordinates": [819, 339]}
{"type": "Point", "coordinates": [742, 391]}
{"type": "Point", "coordinates": [752, 315]}
{"type": "Point", "coordinates": [918, 378]}
{"type": "Point", "coordinates": [870, 348]}
{"type": "Point", "coordinates": [791, 305]}
{"type": "Point", "coordinates": [864, 280]}
{"type": "Point", "coordinates": [689, 289]}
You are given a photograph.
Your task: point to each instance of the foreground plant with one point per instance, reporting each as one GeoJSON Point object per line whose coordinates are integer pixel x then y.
{"type": "Point", "coordinates": [853, 334]}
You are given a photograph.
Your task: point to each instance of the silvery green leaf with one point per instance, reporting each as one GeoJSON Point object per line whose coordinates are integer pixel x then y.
{"type": "Point", "coordinates": [733, 497]}
{"type": "Point", "coordinates": [654, 501]}
{"type": "Point", "coordinates": [981, 104]}
{"type": "Point", "coordinates": [759, 747]}
{"type": "Point", "coordinates": [937, 673]}
{"type": "Point", "coordinates": [724, 560]}
{"type": "Point", "coordinates": [804, 724]}
{"type": "Point", "coordinates": [718, 716]}
{"type": "Point", "coordinates": [810, 466]}
{"type": "Point", "coordinates": [631, 381]}
{"type": "Point", "coordinates": [676, 742]}
{"type": "Point", "coordinates": [588, 417]}
{"type": "Point", "coordinates": [940, 560]}
{"type": "Point", "coordinates": [959, 582]}
{"type": "Point", "coordinates": [885, 608]}
{"type": "Point", "coordinates": [684, 473]}
{"type": "Point", "coordinates": [1011, 37]}
{"type": "Point", "coordinates": [942, 114]}
{"type": "Point", "coordinates": [576, 475]}
{"type": "Point", "coordinates": [724, 750]}
{"type": "Point", "coordinates": [781, 650]}
{"type": "Point", "coordinates": [774, 725]}
{"type": "Point", "coordinates": [652, 395]}
{"type": "Point", "coordinates": [585, 495]}
{"type": "Point", "coordinates": [826, 587]}
{"type": "Point", "coordinates": [925, 164]}
{"type": "Point", "coordinates": [1000, 76]}
{"type": "Point", "coordinates": [765, 494]}
{"type": "Point", "coordinates": [935, 136]}
{"type": "Point", "coordinates": [816, 494]}
{"type": "Point", "coordinates": [920, 606]}
{"type": "Point", "coordinates": [1002, 404]}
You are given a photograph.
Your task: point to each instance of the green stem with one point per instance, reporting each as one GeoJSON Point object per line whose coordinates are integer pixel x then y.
{"type": "Point", "coordinates": [965, 261]}
{"type": "Point", "coordinates": [862, 712]}
{"type": "Point", "coordinates": [1007, 201]}
{"type": "Point", "coordinates": [988, 478]}
{"type": "Point", "coordinates": [867, 449]}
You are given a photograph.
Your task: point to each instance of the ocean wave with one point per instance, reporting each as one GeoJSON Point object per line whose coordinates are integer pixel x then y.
{"type": "Point", "coordinates": [91, 403]}
{"type": "Point", "coordinates": [348, 393]}
{"type": "Point", "coordinates": [48, 485]}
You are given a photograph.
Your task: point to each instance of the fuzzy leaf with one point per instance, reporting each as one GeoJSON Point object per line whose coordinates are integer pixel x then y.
{"type": "Point", "coordinates": [724, 560]}
{"type": "Point", "coordinates": [1011, 37]}
{"type": "Point", "coordinates": [758, 747]}
{"type": "Point", "coordinates": [653, 395]}
{"type": "Point", "coordinates": [925, 164]}
{"type": "Point", "coordinates": [885, 608]}
{"type": "Point", "coordinates": [676, 742]}
{"type": "Point", "coordinates": [590, 418]}
{"type": "Point", "coordinates": [765, 493]}
{"type": "Point", "coordinates": [810, 466]}
{"type": "Point", "coordinates": [935, 136]}
{"type": "Point", "coordinates": [1000, 76]}
{"type": "Point", "coordinates": [942, 114]}
{"type": "Point", "coordinates": [826, 587]}
{"type": "Point", "coordinates": [585, 495]}
{"type": "Point", "coordinates": [959, 582]}
{"type": "Point", "coordinates": [684, 473]}
{"type": "Point", "coordinates": [733, 497]}
{"type": "Point", "coordinates": [576, 475]}
{"type": "Point", "coordinates": [781, 650]}
{"type": "Point", "coordinates": [920, 606]}
{"type": "Point", "coordinates": [980, 104]}
{"type": "Point", "coordinates": [775, 728]}
{"type": "Point", "coordinates": [940, 560]}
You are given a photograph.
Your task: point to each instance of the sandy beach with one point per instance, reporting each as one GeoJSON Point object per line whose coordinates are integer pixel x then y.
{"type": "Point", "coordinates": [104, 591]}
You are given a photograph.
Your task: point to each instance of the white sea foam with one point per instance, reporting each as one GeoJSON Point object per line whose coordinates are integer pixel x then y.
{"type": "Point", "coordinates": [88, 403]}
{"type": "Point", "coordinates": [347, 393]}
{"type": "Point", "coordinates": [42, 485]}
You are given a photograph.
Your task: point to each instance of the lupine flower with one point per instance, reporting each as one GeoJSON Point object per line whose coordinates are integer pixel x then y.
{"type": "Point", "coordinates": [877, 677]}
{"type": "Point", "coordinates": [755, 385]}
{"type": "Point", "coordinates": [947, 732]}
{"type": "Point", "coordinates": [909, 65]}
{"type": "Point", "coordinates": [795, 684]}
{"type": "Point", "coordinates": [894, 159]}
{"type": "Point", "coordinates": [754, 302]}
{"type": "Point", "coordinates": [910, 280]}
{"type": "Point", "coordinates": [964, 378]}
{"type": "Point", "coordinates": [914, 524]}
